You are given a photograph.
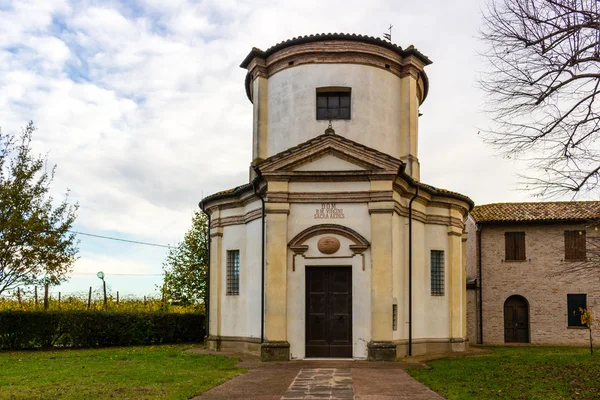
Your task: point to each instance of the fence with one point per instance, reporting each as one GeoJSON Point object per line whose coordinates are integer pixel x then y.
{"type": "Point", "coordinates": [98, 300]}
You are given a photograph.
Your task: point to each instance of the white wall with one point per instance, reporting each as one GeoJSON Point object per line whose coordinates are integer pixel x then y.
{"type": "Point", "coordinates": [356, 217]}
{"type": "Point", "coordinates": [361, 301]}
{"type": "Point", "coordinates": [430, 313]}
{"type": "Point", "coordinates": [241, 314]}
{"type": "Point", "coordinates": [375, 105]}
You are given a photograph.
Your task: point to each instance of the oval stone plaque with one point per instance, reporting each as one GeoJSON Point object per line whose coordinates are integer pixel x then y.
{"type": "Point", "coordinates": [328, 245]}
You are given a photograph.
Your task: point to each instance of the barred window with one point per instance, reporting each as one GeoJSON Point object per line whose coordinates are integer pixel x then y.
{"type": "Point", "coordinates": [437, 273]}
{"type": "Point", "coordinates": [514, 243]}
{"type": "Point", "coordinates": [575, 245]}
{"type": "Point", "coordinates": [233, 272]}
{"type": "Point", "coordinates": [333, 105]}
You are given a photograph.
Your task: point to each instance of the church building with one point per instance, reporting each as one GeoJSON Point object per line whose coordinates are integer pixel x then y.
{"type": "Point", "coordinates": [335, 248]}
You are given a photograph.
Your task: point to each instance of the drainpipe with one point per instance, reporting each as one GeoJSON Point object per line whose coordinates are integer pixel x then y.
{"type": "Point", "coordinates": [480, 291]}
{"type": "Point", "coordinates": [262, 262]}
{"type": "Point", "coordinates": [410, 270]}
{"type": "Point", "coordinates": [207, 303]}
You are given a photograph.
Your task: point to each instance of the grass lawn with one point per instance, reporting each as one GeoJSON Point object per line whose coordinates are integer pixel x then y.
{"type": "Point", "coordinates": [516, 373]}
{"type": "Point", "coordinates": [148, 372]}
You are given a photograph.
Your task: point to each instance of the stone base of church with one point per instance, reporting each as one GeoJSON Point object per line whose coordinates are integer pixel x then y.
{"type": "Point", "coordinates": [381, 351]}
{"type": "Point", "coordinates": [234, 343]}
{"type": "Point", "coordinates": [275, 351]}
{"type": "Point", "coordinates": [431, 346]}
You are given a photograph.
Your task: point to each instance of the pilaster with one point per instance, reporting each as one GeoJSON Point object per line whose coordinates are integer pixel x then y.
{"type": "Point", "coordinates": [276, 347]}
{"type": "Point", "coordinates": [216, 267]}
{"type": "Point", "coordinates": [381, 348]}
{"type": "Point", "coordinates": [260, 126]}
{"type": "Point", "coordinates": [464, 238]}
{"type": "Point", "coordinates": [456, 289]}
{"type": "Point", "coordinates": [409, 111]}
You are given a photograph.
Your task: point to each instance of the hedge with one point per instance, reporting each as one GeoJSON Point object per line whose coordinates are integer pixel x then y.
{"type": "Point", "coordinates": [35, 329]}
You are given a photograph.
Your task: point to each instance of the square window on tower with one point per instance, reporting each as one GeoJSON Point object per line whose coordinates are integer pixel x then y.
{"type": "Point", "coordinates": [333, 103]}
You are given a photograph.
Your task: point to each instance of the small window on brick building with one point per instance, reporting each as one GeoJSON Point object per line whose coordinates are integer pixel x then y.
{"type": "Point", "coordinates": [233, 272]}
{"type": "Point", "coordinates": [576, 303]}
{"type": "Point", "coordinates": [575, 245]}
{"type": "Point", "coordinates": [437, 273]}
{"type": "Point", "coordinates": [514, 243]}
{"type": "Point", "coordinates": [333, 103]}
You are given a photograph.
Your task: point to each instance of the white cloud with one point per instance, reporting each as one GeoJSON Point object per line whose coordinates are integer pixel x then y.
{"type": "Point", "coordinates": [142, 106]}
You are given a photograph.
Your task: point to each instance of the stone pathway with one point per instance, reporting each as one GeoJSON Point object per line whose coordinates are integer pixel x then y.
{"type": "Point", "coordinates": [317, 379]}
{"type": "Point", "coordinates": [321, 383]}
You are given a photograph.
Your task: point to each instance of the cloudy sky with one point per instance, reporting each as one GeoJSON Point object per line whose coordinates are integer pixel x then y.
{"type": "Point", "coordinates": [141, 104]}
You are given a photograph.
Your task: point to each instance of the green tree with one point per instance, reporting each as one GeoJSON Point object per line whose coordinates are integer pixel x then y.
{"type": "Point", "coordinates": [587, 319]}
{"type": "Point", "coordinates": [186, 265]}
{"type": "Point", "coordinates": [36, 245]}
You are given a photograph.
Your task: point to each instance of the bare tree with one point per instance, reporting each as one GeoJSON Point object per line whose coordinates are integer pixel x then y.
{"type": "Point", "coordinates": [542, 82]}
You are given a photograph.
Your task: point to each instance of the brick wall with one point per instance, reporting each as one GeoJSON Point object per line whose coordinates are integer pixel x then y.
{"type": "Point", "coordinates": [541, 279]}
{"type": "Point", "coordinates": [472, 320]}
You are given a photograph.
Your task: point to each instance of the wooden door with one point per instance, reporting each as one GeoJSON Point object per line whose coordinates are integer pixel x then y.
{"type": "Point", "coordinates": [329, 312]}
{"type": "Point", "coordinates": [516, 320]}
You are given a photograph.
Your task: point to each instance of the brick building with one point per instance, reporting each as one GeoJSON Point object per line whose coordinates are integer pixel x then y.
{"type": "Point", "coordinates": [530, 266]}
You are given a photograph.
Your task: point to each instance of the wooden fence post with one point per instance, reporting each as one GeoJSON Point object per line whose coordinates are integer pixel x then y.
{"type": "Point", "coordinates": [104, 285]}
{"type": "Point", "coordinates": [59, 300]}
{"type": "Point", "coordinates": [36, 298]}
{"type": "Point", "coordinates": [46, 297]}
{"type": "Point", "coordinates": [19, 297]}
{"type": "Point", "coordinates": [117, 297]}
{"type": "Point", "coordinates": [90, 298]}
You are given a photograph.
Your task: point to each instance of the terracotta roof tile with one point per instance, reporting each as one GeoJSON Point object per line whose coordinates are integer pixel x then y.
{"type": "Point", "coordinates": [538, 211]}
{"type": "Point", "coordinates": [226, 193]}
{"type": "Point", "coordinates": [319, 37]}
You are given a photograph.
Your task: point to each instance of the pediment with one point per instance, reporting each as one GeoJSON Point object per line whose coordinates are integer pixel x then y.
{"type": "Point", "coordinates": [330, 160]}
{"type": "Point", "coordinates": [330, 152]}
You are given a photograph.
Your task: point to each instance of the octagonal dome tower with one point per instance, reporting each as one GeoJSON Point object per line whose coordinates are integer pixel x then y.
{"type": "Point", "coordinates": [371, 90]}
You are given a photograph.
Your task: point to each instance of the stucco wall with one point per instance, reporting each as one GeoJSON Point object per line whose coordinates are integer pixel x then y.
{"type": "Point", "coordinates": [431, 316]}
{"type": "Point", "coordinates": [240, 314]}
{"type": "Point", "coordinates": [300, 218]}
{"type": "Point", "coordinates": [356, 216]}
{"type": "Point", "coordinates": [375, 106]}
{"type": "Point", "coordinates": [541, 280]}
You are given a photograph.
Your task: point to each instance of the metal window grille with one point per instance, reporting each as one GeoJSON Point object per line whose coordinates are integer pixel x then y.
{"type": "Point", "coordinates": [395, 317]}
{"type": "Point", "coordinates": [437, 273]}
{"type": "Point", "coordinates": [233, 272]}
{"type": "Point", "coordinates": [575, 248]}
{"type": "Point", "coordinates": [333, 105]}
{"type": "Point", "coordinates": [574, 303]}
{"type": "Point", "coordinates": [514, 246]}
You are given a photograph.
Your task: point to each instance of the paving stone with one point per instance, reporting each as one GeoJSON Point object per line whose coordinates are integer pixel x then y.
{"type": "Point", "coordinates": [358, 380]}
{"type": "Point", "coordinates": [321, 383]}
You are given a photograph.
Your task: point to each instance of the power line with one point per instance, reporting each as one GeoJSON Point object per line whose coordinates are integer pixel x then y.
{"type": "Point", "coordinates": [121, 240]}
{"type": "Point", "coordinates": [114, 274]}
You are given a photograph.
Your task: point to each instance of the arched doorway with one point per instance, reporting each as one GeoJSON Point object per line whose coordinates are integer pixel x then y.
{"type": "Point", "coordinates": [516, 320]}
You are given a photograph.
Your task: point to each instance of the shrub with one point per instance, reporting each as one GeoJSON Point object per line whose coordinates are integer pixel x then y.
{"type": "Point", "coordinates": [35, 329]}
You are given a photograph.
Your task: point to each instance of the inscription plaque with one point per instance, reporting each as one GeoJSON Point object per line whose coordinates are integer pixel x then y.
{"type": "Point", "coordinates": [329, 211]}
